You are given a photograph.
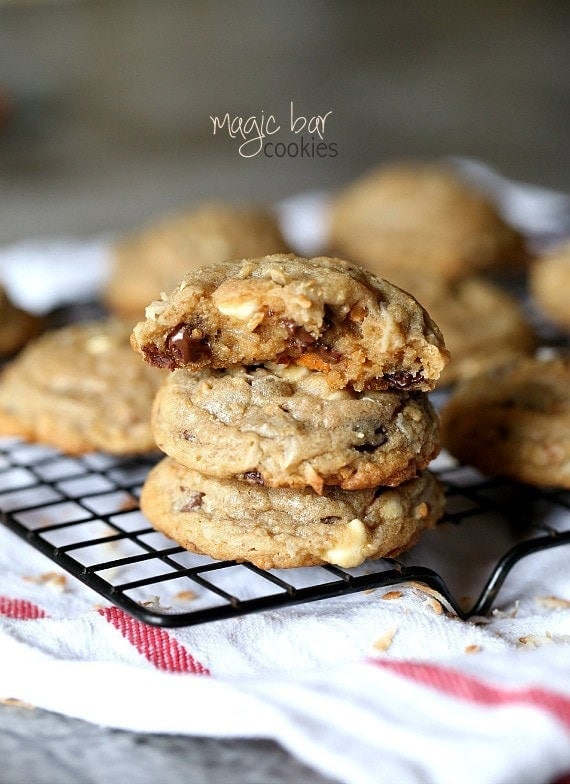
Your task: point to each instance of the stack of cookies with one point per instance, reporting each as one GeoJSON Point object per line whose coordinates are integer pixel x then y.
{"type": "Point", "coordinates": [295, 419]}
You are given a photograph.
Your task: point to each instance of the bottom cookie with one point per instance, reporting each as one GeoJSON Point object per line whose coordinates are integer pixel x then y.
{"type": "Point", "coordinates": [278, 528]}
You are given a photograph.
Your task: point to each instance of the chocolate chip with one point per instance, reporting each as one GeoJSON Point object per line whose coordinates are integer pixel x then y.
{"type": "Point", "coordinates": [403, 379]}
{"type": "Point", "coordinates": [299, 337]}
{"type": "Point", "coordinates": [188, 436]}
{"type": "Point", "coordinates": [378, 438]}
{"type": "Point", "coordinates": [157, 358]}
{"type": "Point", "coordinates": [330, 519]}
{"type": "Point", "coordinates": [253, 477]}
{"type": "Point", "coordinates": [194, 502]}
{"type": "Point", "coordinates": [186, 345]}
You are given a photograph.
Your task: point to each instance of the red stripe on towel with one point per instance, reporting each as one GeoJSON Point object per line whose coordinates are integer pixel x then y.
{"type": "Point", "coordinates": [467, 687]}
{"type": "Point", "coordinates": [155, 644]}
{"type": "Point", "coordinates": [20, 609]}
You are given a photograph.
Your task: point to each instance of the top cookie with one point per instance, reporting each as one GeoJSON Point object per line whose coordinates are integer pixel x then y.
{"type": "Point", "coordinates": [423, 217]}
{"type": "Point", "coordinates": [157, 257]}
{"type": "Point", "coordinates": [324, 314]}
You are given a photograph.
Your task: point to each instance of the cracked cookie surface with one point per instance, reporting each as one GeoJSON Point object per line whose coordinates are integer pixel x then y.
{"type": "Point", "coordinates": [156, 258]}
{"type": "Point", "coordinates": [284, 528]}
{"type": "Point", "coordinates": [81, 388]}
{"type": "Point", "coordinates": [285, 427]}
{"type": "Point", "coordinates": [514, 422]}
{"type": "Point", "coordinates": [321, 313]}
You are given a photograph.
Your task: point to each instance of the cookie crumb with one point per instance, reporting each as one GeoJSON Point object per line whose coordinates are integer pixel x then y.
{"type": "Point", "coordinates": [14, 703]}
{"type": "Point", "coordinates": [186, 596]}
{"type": "Point", "coordinates": [153, 604]}
{"type": "Point", "coordinates": [435, 602]}
{"type": "Point", "coordinates": [552, 602]}
{"type": "Point", "coordinates": [472, 648]}
{"type": "Point", "coordinates": [435, 605]}
{"type": "Point", "coordinates": [54, 580]}
{"type": "Point", "coordinates": [535, 640]}
{"type": "Point", "coordinates": [508, 614]}
{"type": "Point", "coordinates": [385, 641]}
{"type": "Point", "coordinates": [392, 595]}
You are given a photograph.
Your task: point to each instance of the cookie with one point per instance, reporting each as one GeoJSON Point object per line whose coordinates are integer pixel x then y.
{"type": "Point", "coordinates": [278, 528]}
{"type": "Point", "coordinates": [284, 427]}
{"type": "Point", "coordinates": [156, 258]}
{"type": "Point", "coordinates": [514, 422]}
{"type": "Point", "coordinates": [482, 324]}
{"type": "Point", "coordinates": [16, 326]}
{"type": "Point", "coordinates": [549, 281]}
{"type": "Point", "coordinates": [80, 388]}
{"type": "Point", "coordinates": [324, 314]}
{"type": "Point", "coordinates": [421, 216]}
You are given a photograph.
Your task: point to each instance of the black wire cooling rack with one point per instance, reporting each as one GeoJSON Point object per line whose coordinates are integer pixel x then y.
{"type": "Point", "coordinates": [83, 513]}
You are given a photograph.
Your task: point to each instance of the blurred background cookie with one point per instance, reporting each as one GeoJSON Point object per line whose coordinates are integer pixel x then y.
{"type": "Point", "coordinates": [549, 282]}
{"type": "Point", "coordinates": [155, 258]}
{"type": "Point", "coordinates": [16, 325]}
{"type": "Point", "coordinates": [514, 422]}
{"type": "Point", "coordinates": [80, 388]}
{"type": "Point", "coordinates": [422, 217]}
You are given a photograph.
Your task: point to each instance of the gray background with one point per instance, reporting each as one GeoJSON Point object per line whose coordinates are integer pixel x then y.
{"type": "Point", "coordinates": [112, 99]}
{"type": "Point", "coordinates": [110, 126]}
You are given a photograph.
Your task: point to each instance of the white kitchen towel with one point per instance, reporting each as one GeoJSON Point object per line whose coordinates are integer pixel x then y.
{"type": "Point", "coordinates": [376, 686]}
{"type": "Point", "coordinates": [379, 686]}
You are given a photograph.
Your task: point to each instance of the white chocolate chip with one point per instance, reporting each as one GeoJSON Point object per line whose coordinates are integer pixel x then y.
{"type": "Point", "coordinates": [242, 310]}
{"type": "Point", "coordinates": [293, 373]}
{"type": "Point", "coordinates": [392, 507]}
{"type": "Point", "coordinates": [98, 344]}
{"type": "Point", "coordinates": [353, 549]}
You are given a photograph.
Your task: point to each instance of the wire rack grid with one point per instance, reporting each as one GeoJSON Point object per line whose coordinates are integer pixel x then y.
{"type": "Point", "coordinates": [83, 513]}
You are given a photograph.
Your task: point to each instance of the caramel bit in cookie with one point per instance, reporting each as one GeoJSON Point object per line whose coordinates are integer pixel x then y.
{"type": "Point", "coordinates": [358, 313]}
{"type": "Point", "coordinates": [253, 477]}
{"type": "Point", "coordinates": [193, 502]}
{"type": "Point", "coordinates": [321, 357]}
